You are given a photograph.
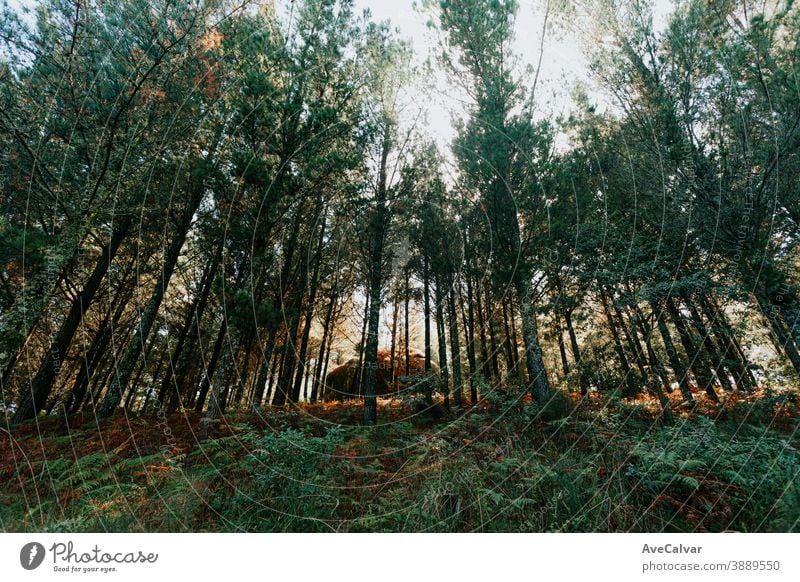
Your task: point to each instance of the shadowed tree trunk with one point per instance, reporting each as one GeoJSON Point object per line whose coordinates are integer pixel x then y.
{"type": "Point", "coordinates": [698, 362]}
{"type": "Point", "coordinates": [675, 361]}
{"type": "Point", "coordinates": [122, 374]}
{"type": "Point", "coordinates": [442, 342]}
{"type": "Point", "coordinates": [35, 397]}
{"type": "Point", "coordinates": [377, 230]}
{"type": "Point", "coordinates": [455, 348]}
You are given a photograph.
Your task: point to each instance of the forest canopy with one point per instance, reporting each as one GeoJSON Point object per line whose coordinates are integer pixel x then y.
{"type": "Point", "coordinates": [223, 209]}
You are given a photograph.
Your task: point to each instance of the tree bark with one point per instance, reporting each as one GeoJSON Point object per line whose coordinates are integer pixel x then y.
{"type": "Point", "coordinates": [39, 389]}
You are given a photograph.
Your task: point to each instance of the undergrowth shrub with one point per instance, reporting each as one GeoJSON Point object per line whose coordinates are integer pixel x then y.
{"type": "Point", "coordinates": [715, 479]}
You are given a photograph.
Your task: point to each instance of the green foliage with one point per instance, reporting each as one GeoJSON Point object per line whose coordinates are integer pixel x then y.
{"type": "Point", "coordinates": [726, 477]}
{"type": "Point", "coordinates": [595, 469]}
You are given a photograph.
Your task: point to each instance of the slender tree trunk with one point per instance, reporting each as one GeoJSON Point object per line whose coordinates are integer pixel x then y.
{"type": "Point", "coordinates": [406, 299]}
{"type": "Point", "coordinates": [652, 358]}
{"type": "Point", "coordinates": [182, 357]}
{"type": "Point", "coordinates": [698, 362]}
{"type": "Point", "coordinates": [576, 353]}
{"type": "Point", "coordinates": [264, 367]}
{"type": "Point", "coordinates": [495, 367]}
{"type": "Point", "coordinates": [708, 344]}
{"type": "Point", "coordinates": [631, 388]}
{"type": "Point", "coordinates": [515, 341]}
{"type": "Point", "coordinates": [455, 349]}
{"type": "Point", "coordinates": [562, 350]}
{"type": "Point", "coordinates": [123, 373]}
{"type": "Point", "coordinates": [92, 358]}
{"type": "Point", "coordinates": [469, 331]}
{"type": "Point", "coordinates": [784, 340]}
{"type": "Point", "coordinates": [39, 389]}
{"type": "Point", "coordinates": [219, 384]}
{"type": "Point", "coordinates": [633, 342]}
{"type": "Point", "coordinates": [377, 227]}
{"type": "Point", "coordinates": [440, 332]}
{"type": "Point", "coordinates": [675, 362]}
{"type": "Point", "coordinates": [315, 392]}
{"type": "Point", "coordinates": [485, 363]}
{"type": "Point", "coordinates": [393, 344]}
{"type": "Point", "coordinates": [426, 294]}
{"type": "Point", "coordinates": [510, 361]}
{"type": "Point", "coordinates": [732, 350]}
{"type": "Point", "coordinates": [357, 382]}
{"type": "Point", "coordinates": [312, 300]}
{"type": "Point", "coordinates": [212, 366]}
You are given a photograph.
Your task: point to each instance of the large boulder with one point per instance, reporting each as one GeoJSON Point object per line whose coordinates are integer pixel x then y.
{"type": "Point", "coordinates": [341, 383]}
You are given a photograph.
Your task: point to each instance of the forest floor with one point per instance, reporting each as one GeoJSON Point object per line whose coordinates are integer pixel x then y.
{"type": "Point", "coordinates": [597, 464]}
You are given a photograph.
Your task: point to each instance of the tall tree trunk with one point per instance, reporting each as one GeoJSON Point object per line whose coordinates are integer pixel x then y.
{"type": "Point", "coordinates": [440, 332]}
{"type": "Point", "coordinates": [515, 340]}
{"type": "Point", "coordinates": [784, 340]}
{"type": "Point", "coordinates": [494, 349]}
{"type": "Point", "coordinates": [122, 375]}
{"type": "Point", "coordinates": [576, 353]}
{"type": "Point", "coordinates": [315, 391]}
{"type": "Point", "coordinates": [377, 228]}
{"type": "Point", "coordinates": [469, 331]}
{"type": "Point", "coordinates": [211, 369]}
{"type": "Point", "coordinates": [562, 349]}
{"type": "Point", "coordinates": [406, 322]}
{"type": "Point", "coordinates": [426, 295]}
{"type": "Point", "coordinates": [283, 388]}
{"type": "Point", "coordinates": [698, 362]}
{"type": "Point", "coordinates": [537, 376]}
{"type": "Point", "coordinates": [485, 363]}
{"type": "Point", "coordinates": [652, 358]}
{"type": "Point", "coordinates": [633, 341]}
{"type": "Point", "coordinates": [630, 383]}
{"type": "Point", "coordinates": [311, 303]}
{"type": "Point", "coordinates": [743, 375]}
{"type": "Point", "coordinates": [710, 347]}
{"type": "Point", "coordinates": [675, 362]}
{"type": "Point", "coordinates": [393, 344]}
{"type": "Point", "coordinates": [219, 382]}
{"type": "Point", "coordinates": [357, 381]}
{"type": "Point", "coordinates": [92, 358]}
{"type": "Point", "coordinates": [455, 348]}
{"type": "Point", "coordinates": [42, 384]}
{"type": "Point", "coordinates": [182, 357]}
{"type": "Point", "coordinates": [511, 368]}
{"type": "Point", "coordinates": [264, 367]}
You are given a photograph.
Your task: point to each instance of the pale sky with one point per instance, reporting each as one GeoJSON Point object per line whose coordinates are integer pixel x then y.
{"type": "Point", "coordinates": [563, 61]}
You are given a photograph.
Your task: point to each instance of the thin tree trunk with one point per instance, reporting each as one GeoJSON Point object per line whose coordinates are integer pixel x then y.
{"type": "Point", "coordinates": [455, 349]}
{"type": "Point", "coordinates": [212, 366]}
{"type": "Point", "coordinates": [41, 386]}
{"type": "Point", "coordinates": [406, 299]}
{"type": "Point", "coordinates": [495, 367]}
{"type": "Point", "coordinates": [675, 362]}
{"type": "Point", "coordinates": [377, 228]}
{"type": "Point", "coordinates": [698, 362]}
{"type": "Point", "coordinates": [708, 344]}
{"type": "Point", "coordinates": [315, 391]}
{"type": "Point", "coordinates": [469, 331]}
{"type": "Point", "coordinates": [426, 294]}
{"type": "Point", "coordinates": [123, 373]}
{"type": "Point", "coordinates": [485, 363]}
{"type": "Point", "coordinates": [182, 357]}
{"type": "Point", "coordinates": [312, 300]}
{"type": "Point", "coordinates": [440, 332]}
{"type": "Point", "coordinates": [576, 353]}
{"type": "Point", "coordinates": [510, 362]}
{"type": "Point", "coordinates": [631, 388]}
